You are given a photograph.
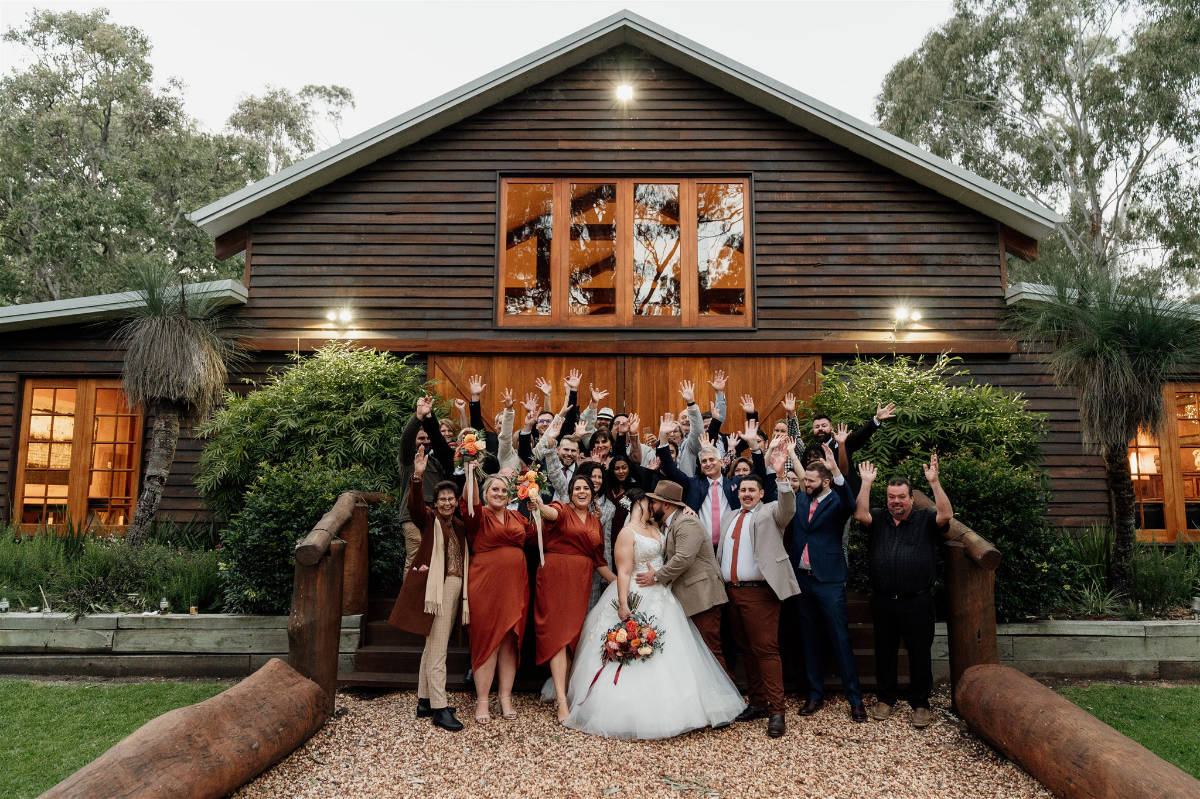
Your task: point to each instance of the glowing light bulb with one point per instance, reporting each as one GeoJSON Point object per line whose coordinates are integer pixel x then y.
{"type": "Point", "coordinates": [915, 316]}
{"type": "Point", "coordinates": [344, 315]}
{"type": "Point", "coordinates": [900, 314]}
{"type": "Point", "coordinates": [624, 92]}
{"type": "Point", "coordinates": [331, 316]}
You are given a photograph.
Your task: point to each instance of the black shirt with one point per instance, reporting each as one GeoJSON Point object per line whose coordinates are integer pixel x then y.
{"type": "Point", "coordinates": [903, 557]}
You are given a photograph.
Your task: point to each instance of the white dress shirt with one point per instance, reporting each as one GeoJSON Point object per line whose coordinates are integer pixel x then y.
{"type": "Point", "coordinates": [705, 512]}
{"type": "Point", "coordinates": [747, 566]}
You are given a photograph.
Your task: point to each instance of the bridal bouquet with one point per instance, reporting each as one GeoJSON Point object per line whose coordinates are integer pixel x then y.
{"type": "Point", "coordinates": [533, 480]}
{"type": "Point", "coordinates": [469, 451]}
{"type": "Point", "coordinates": [636, 638]}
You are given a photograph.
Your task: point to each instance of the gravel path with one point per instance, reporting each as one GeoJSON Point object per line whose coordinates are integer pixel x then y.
{"type": "Point", "coordinates": [376, 748]}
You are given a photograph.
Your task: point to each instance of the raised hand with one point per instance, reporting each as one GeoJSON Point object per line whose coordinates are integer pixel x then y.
{"type": "Point", "coordinates": [597, 393]}
{"type": "Point", "coordinates": [531, 404]}
{"type": "Point", "coordinates": [841, 435]}
{"type": "Point", "coordinates": [582, 428]}
{"type": "Point", "coordinates": [419, 462]}
{"type": "Point", "coordinates": [868, 472]}
{"type": "Point", "coordinates": [718, 380]}
{"type": "Point", "coordinates": [652, 463]}
{"type": "Point", "coordinates": [712, 411]}
{"type": "Point", "coordinates": [571, 381]}
{"type": "Point", "coordinates": [931, 470]}
{"type": "Point", "coordinates": [885, 411]}
{"type": "Point", "coordinates": [708, 441]}
{"type": "Point", "coordinates": [424, 406]}
{"type": "Point", "coordinates": [530, 420]}
{"type": "Point", "coordinates": [634, 424]}
{"type": "Point", "coordinates": [555, 427]}
{"type": "Point", "coordinates": [747, 402]}
{"type": "Point", "coordinates": [476, 386]}
{"type": "Point", "coordinates": [542, 385]}
{"type": "Point", "coordinates": [750, 436]}
{"type": "Point", "coordinates": [829, 460]}
{"type": "Point", "coordinates": [507, 396]}
{"type": "Point", "coordinates": [789, 402]}
{"type": "Point", "coordinates": [779, 458]}
{"type": "Point", "coordinates": [460, 405]}
{"type": "Point", "coordinates": [666, 424]}
{"type": "Point", "coordinates": [687, 390]}
{"type": "Point", "coordinates": [651, 440]}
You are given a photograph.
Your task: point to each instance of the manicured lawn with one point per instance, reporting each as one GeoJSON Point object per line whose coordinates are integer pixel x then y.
{"type": "Point", "coordinates": [1161, 718]}
{"type": "Point", "coordinates": [48, 731]}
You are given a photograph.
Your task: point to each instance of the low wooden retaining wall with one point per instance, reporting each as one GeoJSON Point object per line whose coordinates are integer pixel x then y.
{"type": "Point", "coordinates": [171, 645]}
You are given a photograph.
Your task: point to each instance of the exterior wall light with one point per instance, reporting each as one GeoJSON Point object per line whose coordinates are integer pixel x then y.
{"type": "Point", "coordinates": [624, 92]}
{"type": "Point", "coordinates": [903, 318]}
{"type": "Point", "coordinates": [339, 322]}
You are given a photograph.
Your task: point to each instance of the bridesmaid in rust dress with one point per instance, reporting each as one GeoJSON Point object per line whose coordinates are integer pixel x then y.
{"type": "Point", "coordinates": [574, 549]}
{"type": "Point", "coordinates": [499, 578]}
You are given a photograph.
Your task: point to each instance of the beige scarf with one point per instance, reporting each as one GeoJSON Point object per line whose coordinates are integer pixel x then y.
{"type": "Point", "coordinates": [436, 579]}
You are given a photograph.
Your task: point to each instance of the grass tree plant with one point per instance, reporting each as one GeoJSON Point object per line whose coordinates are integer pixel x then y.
{"type": "Point", "coordinates": [179, 347]}
{"type": "Point", "coordinates": [1114, 340]}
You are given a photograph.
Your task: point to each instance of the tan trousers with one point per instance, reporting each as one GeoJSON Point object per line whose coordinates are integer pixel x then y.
{"type": "Point", "coordinates": [412, 542]}
{"type": "Point", "coordinates": [431, 681]}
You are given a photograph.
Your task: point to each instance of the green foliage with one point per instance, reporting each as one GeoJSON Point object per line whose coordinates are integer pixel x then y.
{"type": "Point", "coordinates": [281, 506]}
{"type": "Point", "coordinates": [82, 572]}
{"type": "Point", "coordinates": [1161, 718]}
{"type": "Point", "coordinates": [344, 406]}
{"type": "Point", "coordinates": [1089, 106]}
{"type": "Point", "coordinates": [939, 410]}
{"type": "Point", "coordinates": [988, 446]}
{"type": "Point", "coordinates": [283, 124]}
{"type": "Point", "coordinates": [1093, 599]}
{"type": "Point", "coordinates": [52, 730]}
{"type": "Point", "coordinates": [99, 163]}
{"type": "Point", "coordinates": [1164, 580]}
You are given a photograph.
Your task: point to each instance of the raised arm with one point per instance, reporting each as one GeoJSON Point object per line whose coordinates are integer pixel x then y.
{"type": "Point", "coordinates": [417, 510]}
{"type": "Point", "coordinates": [862, 509]}
{"type": "Point", "coordinates": [941, 502]}
{"type": "Point", "coordinates": [441, 448]}
{"type": "Point", "coordinates": [793, 424]}
{"type": "Point", "coordinates": [408, 443]}
{"type": "Point", "coordinates": [505, 452]}
{"type": "Point", "coordinates": [785, 506]}
{"type": "Point", "coordinates": [687, 390]}
{"type": "Point", "coordinates": [666, 462]}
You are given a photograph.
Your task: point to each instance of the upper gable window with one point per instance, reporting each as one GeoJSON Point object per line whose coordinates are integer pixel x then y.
{"type": "Point", "coordinates": [624, 251]}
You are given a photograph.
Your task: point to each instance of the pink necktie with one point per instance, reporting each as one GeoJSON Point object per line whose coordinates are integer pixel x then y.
{"type": "Point", "coordinates": [812, 508]}
{"type": "Point", "coordinates": [715, 511]}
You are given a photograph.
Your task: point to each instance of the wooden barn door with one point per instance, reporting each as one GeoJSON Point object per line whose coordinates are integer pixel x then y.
{"type": "Point", "coordinates": [643, 383]}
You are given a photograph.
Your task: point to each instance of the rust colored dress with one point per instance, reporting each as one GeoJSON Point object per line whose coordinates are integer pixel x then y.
{"type": "Point", "coordinates": [498, 583]}
{"type": "Point", "coordinates": [574, 549]}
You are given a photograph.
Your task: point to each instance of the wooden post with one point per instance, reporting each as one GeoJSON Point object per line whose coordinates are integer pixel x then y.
{"type": "Point", "coordinates": [314, 626]}
{"type": "Point", "coordinates": [211, 748]}
{"type": "Point", "coordinates": [979, 548]}
{"type": "Point", "coordinates": [971, 625]}
{"type": "Point", "coordinates": [354, 583]}
{"type": "Point", "coordinates": [1064, 747]}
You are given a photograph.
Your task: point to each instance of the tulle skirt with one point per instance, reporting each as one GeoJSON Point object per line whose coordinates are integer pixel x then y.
{"type": "Point", "coordinates": [680, 688]}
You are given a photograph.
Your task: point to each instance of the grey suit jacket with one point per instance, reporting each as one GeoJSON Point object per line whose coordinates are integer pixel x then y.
{"type": "Point", "coordinates": [690, 567]}
{"type": "Point", "coordinates": [767, 527]}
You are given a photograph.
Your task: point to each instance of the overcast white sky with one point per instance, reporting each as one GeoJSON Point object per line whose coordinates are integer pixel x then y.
{"type": "Point", "coordinates": [396, 55]}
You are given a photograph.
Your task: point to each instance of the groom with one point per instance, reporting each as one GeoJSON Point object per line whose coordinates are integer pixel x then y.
{"type": "Point", "coordinates": [690, 568]}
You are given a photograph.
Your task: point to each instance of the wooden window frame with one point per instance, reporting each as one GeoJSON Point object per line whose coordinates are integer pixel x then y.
{"type": "Point", "coordinates": [81, 447]}
{"type": "Point", "coordinates": [560, 316]}
{"type": "Point", "coordinates": [1174, 506]}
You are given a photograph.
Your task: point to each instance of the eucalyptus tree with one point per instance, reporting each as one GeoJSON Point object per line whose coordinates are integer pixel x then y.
{"type": "Point", "coordinates": [179, 347]}
{"type": "Point", "coordinates": [1091, 107]}
{"type": "Point", "coordinates": [1114, 341]}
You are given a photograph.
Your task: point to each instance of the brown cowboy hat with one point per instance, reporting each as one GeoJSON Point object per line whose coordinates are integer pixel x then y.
{"type": "Point", "coordinates": [669, 492]}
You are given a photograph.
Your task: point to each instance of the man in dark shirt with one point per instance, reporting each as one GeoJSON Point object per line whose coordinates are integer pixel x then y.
{"type": "Point", "coordinates": [902, 546]}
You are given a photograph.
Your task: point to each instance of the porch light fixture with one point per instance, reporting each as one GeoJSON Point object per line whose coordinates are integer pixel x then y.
{"type": "Point", "coordinates": [903, 318]}
{"type": "Point", "coordinates": [339, 321]}
{"type": "Point", "coordinates": [624, 92]}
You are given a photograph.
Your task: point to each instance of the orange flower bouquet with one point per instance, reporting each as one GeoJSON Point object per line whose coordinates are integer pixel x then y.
{"type": "Point", "coordinates": [470, 450]}
{"type": "Point", "coordinates": [636, 638]}
{"type": "Point", "coordinates": [523, 485]}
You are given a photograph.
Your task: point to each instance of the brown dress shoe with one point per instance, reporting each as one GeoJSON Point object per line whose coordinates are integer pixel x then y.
{"type": "Point", "coordinates": [858, 712]}
{"type": "Point", "coordinates": [881, 711]}
{"type": "Point", "coordinates": [812, 706]}
{"type": "Point", "coordinates": [921, 717]}
{"type": "Point", "coordinates": [776, 727]}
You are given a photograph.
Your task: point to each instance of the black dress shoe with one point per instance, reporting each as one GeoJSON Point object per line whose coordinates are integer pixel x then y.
{"type": "Point", "coordinates": [812, 706]}
{"type": "Point", "coordinates": [444, 717]}
{"type": "Point", "coordinates": [424, 711]}
{"type": "Point", "coordinates": [858, 712]}
{"type": "Point", "coordinates": [751, 713]}
{"type": "Point", "coordinates": [776, 727]}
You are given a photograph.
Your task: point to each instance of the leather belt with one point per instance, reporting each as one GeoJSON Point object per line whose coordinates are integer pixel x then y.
{"type": "Point", "coordinates": [748, 584]}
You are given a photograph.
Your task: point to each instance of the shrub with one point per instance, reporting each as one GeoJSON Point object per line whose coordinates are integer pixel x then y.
{"type": "Point", "coordinates": [1162, 580]}
{"type": "Point", "coordinates": [988, 445]}
{"type": "Point", "coordinates": [282, 505]}
{"type": "Point", "coordinates": [84, 573]}
{"type": "Point", "coordinates": [344, 405]}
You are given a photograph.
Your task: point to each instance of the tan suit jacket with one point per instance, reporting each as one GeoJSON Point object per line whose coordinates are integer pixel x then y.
{"type": "Point", "coordinates": [690, 567]}
{"type": "Point", "coordinates": [767, 527]}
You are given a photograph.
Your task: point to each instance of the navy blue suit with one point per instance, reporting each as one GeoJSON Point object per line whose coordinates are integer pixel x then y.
{"type": "Point", "coordinates": [823, 588]}
{"type": "Point", "coordinates": [695, 489]}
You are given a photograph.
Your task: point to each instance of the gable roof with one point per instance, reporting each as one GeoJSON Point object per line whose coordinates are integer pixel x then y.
{"type": "Point", "coordinates": [625, 27]}
{"type": "Point", "coordinates": [106, 306]}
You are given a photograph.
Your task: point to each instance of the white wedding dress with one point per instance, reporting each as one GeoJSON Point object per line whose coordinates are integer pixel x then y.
{"type": "Point", "coordinates": [680, 688]}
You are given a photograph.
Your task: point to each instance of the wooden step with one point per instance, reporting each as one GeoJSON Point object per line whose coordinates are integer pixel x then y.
{"type": "Point", "coordinates": [405, 658]}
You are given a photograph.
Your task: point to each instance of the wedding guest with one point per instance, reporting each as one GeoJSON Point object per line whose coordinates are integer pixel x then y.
{"type": "Point", "coordinates": [412, 438]}
{"type": "Point", "coordinates": [498, 575]}
{"type": "Point", "coordinates": [754, 566]}
{"type": "Point", "coordinates": [820, 563]}
{"type": "Point", "coordinates": [428, 602]}
{"type": "Point", "coordinates": [604, 508]}
{"type": "Point", "coordinates": [902, 552]}
{"type": "Point", "coordinates": [710, 493]}
{"type": "Point", "coordinates": [574, 550]}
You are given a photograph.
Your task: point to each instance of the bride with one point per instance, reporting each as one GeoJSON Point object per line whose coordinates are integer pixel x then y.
{"type": "Point", "coordinates": [680, 688]}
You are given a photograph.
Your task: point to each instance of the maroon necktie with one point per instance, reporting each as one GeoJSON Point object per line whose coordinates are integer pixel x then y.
{"type": "Point", "coordinates": [737, 540]}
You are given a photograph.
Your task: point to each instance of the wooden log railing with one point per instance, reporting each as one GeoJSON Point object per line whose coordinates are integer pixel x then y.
{"type": "Point", "coordinates": [330, 581]}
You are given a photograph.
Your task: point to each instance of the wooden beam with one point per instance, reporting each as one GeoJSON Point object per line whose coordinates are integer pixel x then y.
{"type": "Point", "coordinates": [230, 244]}
{"type": "Point", "coordinates": [575, 346]}
{"type": "Point", "coordinates": [1020, 245]}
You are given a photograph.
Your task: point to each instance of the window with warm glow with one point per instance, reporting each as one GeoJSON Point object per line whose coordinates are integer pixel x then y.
{"type": "Point", "coordinates": [624, 251]}
{"type": "Point", "coordinates": [79, 455]}
{"type": "Point", "coordinates": [1166, 471]}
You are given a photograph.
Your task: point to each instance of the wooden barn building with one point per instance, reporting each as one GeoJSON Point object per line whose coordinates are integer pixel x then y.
{"type": "Point", "coordinates": [624, 201]}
